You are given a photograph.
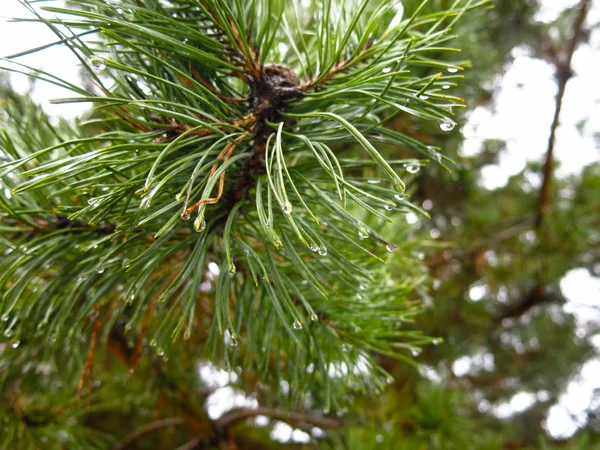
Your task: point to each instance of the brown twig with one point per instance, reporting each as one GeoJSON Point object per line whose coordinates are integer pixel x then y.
{"type": "Point", "coordinates": [149, 428]}
{"type": "Point", "coordinates": [88, 367]}
{"type": "Point", "coordinates": [564, 72]}
{"type": "Point", "coordinates": [235, 416]}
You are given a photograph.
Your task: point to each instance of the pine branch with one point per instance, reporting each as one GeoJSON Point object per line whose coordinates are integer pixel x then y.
{"type": "Point", "coordinates": [563, 73]}
{"type": "Point", "coordinates": [150, 428]}
{"type": "Point", "coordinates": [231, 418]}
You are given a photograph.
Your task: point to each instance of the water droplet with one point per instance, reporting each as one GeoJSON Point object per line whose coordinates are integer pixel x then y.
{"type": "Point", "coordinates": [98, 64]}
{"type": "Point", "coordinates": [389, 380]}
{"type": "Point", "coordinates": [231, 267]}
{"type": "Point", "coordinates": [233, 341]}
{"type": "Point", "coordinates": [389, 206]}
{"type": "Point", "coordinates": [452, 69]}
{"type": "Point", "coordinates": [131, 370]}
{"type": "Point", "coordinates": [391, 247]}
{"type": "Point", "coordinates": [379, 438]}
{"type": "Point", "coordinates": [447, 125]}
{"type": "Point", "coordinates": [186, 40]}
{"type": "Point", "coordinates": [5, 318]}
{"type": "Point", "coordinates": [446, 86]}
{"type": "Point", "coordinates": [153, 343]}
{"type": "Point", "coordinates": [145, 204]}
{"type": "Point", "coordinates": [374, 181]}
{"type": "Point", "coordinates": [7, 193]}
{"type": "Point", "coordinates": [185, 215]}
{"type": "Point", "coordinates": [435, 342]}
{"type": "Point", "coordinates": [160, 351]}
{"type": "Point", "coordinates": [424, 97]}
{"type": "Point", "coordinates": [16, 344]}
{"type": "Point", "coordinates": [323, 250]}
{"type": "Point", "coordinates": [362, 287]}
{"type": "Point", "coordinates": [131, 298]}
{"type": "Point", "coordinates": [314, 247]}
{"type": "Point", "coordinates": [199, 224]}
{"type": "Point", "coordinates": [415, 352]}
{"type": "Point", "coordinates": [387, 70]}
{"type": "Point", "coordinates": [287, 208]}
{"type": "Point", "coordinates": [93, 202]}
{"type": "Point", "coordinates": [100, 270]}
{"type": "Point", "coordinates": [411, 168]}
{"type": "Point", "coordinates": [297, 325]}
{"type": "Point", "coordinates": [432, 151]}
{"type": "Point", "coordinates": [105, 188]}
{"type": "Point", "coordinates": [314, 317]}
{"type": "Point", "coordinates": [363, 233]}
{"type": "Point", "coordinates": [187, 335]}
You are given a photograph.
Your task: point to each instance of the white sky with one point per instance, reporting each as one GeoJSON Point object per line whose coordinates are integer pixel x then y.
{"type": "Point", "coordinates": [522, 115]}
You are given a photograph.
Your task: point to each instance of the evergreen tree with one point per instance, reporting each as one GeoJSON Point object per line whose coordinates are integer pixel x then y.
{"type": "Point", "coordinates": [226, 201]}
{"type": "Point", "coordinates": [296, 291]}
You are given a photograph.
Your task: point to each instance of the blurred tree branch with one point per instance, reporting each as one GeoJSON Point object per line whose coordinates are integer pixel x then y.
{"type": "Point", "coordinates": [561, 60]}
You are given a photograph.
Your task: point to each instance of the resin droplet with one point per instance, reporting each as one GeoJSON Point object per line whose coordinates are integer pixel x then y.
{"type": "Point", "coordinates": [297, 325]}
{"type": "Point", "coordinates": [323, 251]}
{"type": "Point", "coordinates": [287, 208]}
{"type": "Point", "coordinates": [363, 233]}
{"type": "Point", "coordinates": [98, 64]}
{"type": "Point", "coordinates": [199, 224]}
{"type": "Point", "coordinates": [447, 125]}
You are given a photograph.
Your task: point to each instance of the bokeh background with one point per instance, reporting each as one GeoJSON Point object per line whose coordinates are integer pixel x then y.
{"type": "Point", "coordinates": [515, 290]}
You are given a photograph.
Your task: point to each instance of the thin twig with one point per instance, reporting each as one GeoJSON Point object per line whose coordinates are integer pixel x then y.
{"type": "Point", "coordinates": [291, 418]}
{"type": "Point", "coordinates": [563, 74]}
{"type": "Point", "coordinates": [149, 428]}
{"type": "Point", "coordinates": [190, 445]}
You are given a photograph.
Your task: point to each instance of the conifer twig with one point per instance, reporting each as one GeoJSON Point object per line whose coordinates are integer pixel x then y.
{"type": "Point", "coordinates": [291, 418]}
{"type": "Point", "coordinates": [149, 428]}
{"type": "Point", "coordinates": [564, 72]}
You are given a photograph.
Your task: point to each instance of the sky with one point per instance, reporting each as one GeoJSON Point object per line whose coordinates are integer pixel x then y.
{"type": "Point", "coordinates": [522, 111]}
